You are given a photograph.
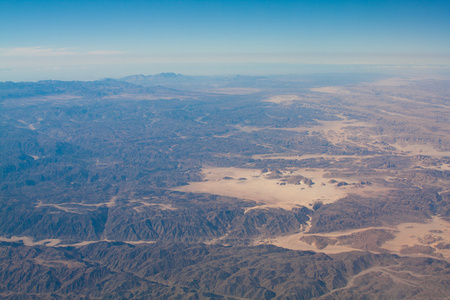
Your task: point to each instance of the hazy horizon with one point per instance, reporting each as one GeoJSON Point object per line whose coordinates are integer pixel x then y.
{"type": "Point", "coordinates": [434, 72]}
{"type": "Point", "coordinates": [86, 40]}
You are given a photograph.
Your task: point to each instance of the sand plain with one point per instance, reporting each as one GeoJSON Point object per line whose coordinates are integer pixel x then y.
{"type": "Point", "coordinates": [431, 236]}
{"type": "Point", "coordinates": [253, 184]}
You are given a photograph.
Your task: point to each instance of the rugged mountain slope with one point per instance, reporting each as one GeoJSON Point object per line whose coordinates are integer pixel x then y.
{"type": "Point", "coordinates": [162, 271]}
{"type": "Point", "coordinates": [127, 189]}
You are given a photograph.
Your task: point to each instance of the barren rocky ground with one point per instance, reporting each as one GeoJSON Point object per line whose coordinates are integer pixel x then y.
{"type": "Point", "coordinates": [178, 187]}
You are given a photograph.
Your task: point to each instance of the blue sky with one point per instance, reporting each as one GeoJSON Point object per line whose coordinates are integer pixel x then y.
{"type": "Point", "coordinates": [95, 39]}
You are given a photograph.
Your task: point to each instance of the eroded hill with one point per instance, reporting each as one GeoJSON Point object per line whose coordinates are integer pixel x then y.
{"type": "Point", "coordinates": [176, 186]}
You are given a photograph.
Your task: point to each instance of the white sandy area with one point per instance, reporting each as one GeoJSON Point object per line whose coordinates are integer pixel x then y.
{"type": "Point", "coordinates": [406, 234]}
{"type": "Point", "coordinates": [66, 206]}
{"type": "Point", "coordinates": [420, 102]}
{"type": "Point", "coordinates": [398, 277]}
{"type": "Point", "coordinates": [59, 206]}
{"type": "Point", "coordinates": [400, 115]}
{"type": "Point", "coordinates": [249, 129]}
{"type": "Point", "coordinates": [410, 234]}
{"type": "Point", "coordinates": [269, 192]}
{"type": "Point", "coordinates": [417, 149]}
{"type": "Point", "coordinates": [29, 241]}
{"type": "Point", "coordinates": [283, 99]}
{"type": "Point", "coordinates": [57, 98]}
{"type": "Point", "coordinates": [293, 242]}
{"type": "Point", "coordinates": [338, 131]}
{"type": "Point", "coordinates": [338, 125]}
{"type": "Point", "coordinates": [29, 126]}
{"type": "Point", "coordinates": [144, 204]}
{"type": "Point", "coordinates": [394, 81]}
{"type": "Point", "coordinates": [330, 90]}
{"type": "Point", "coordinates": [85, 243]}
{"type": "Point", "coordinates": [312, 156]}
{"type": "Point", "coordinates": [441, 167]}
{"type": "Point", "coordinates": [68, 263]}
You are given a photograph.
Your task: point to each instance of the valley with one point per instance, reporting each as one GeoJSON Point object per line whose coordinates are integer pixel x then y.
{"type": "Point", "coordinates": [279, 187]}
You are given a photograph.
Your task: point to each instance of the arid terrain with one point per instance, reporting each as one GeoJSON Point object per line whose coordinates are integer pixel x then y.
{"type": "Point", "coordinates": [180, 187]}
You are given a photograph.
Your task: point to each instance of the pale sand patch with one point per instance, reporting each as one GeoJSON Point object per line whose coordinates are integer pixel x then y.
{"type": "Point", "coordinates": [417, 149]}
{"type": "Point", "coordinates": [29, 126]}
{"type": "Point", "coordinates": [68, 263]}
{"type": "Point", "coordinates": [283, 99]}
{"type": "Point", "coordinates": [444, 192]}
{"type": "Point", "coordinates": [311, 156]}
{"type": "Point", "coordinates": [293, 242]}
{"type": "Point", "coordinates": [160, 206]}
{"type": "Point", "coordinates": [395, 81]}
{"type": "Point", "coordinates": [336, 234]}
{"type": "Point", "coordinates": [338, 131]}
{"type": "Point", "coordinates": [406, 234]}
{"type": "Point", "coordinates": [60, 207]}
{"type": "Point", "coordinates": [66, 206]}
{"type": "Point", "coordinates": [338, 125]}
{"type": "Point", "coordinates": [111, 203]}
{"type": "Point", "coordinates": [399, 115]}
{"type": "Point", "coordinates": [419, 102]}
{"type": "Point", "coordinates": [269, 192]}
{"type": "Point", "coordinates": [85, 243]}
{"type": "Point", "coordinates": [56, 98]}
{"type": "Point", "coordinates": [28, 241]}
{"type": "Point", "coordinates": [410, 234]}
{"type": "Point", "coordinates": [105, 164]}
{"type": "Point", "coordinates": [331, 90]}
{"type": "Point", "coordinates": [442, 167]}
{"type": "Point", "coordinates": [396, 276]}
{"type": "Point", "coordinates": [249, 129]}
{"type": "Point", "coordinates": [139, 242]}
{"type": "Point", "coordinates": [278, 156]}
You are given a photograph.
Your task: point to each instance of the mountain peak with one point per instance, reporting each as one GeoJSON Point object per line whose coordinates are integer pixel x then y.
{"type": "Point", "coordinates": [168, 75]}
